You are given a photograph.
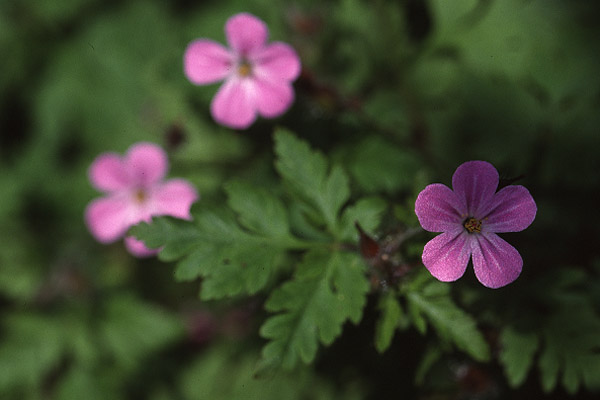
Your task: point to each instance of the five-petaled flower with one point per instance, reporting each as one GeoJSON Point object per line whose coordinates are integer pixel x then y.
{"type": "Point", "coordinates": [135, 192]}
{"type": "Point", "coordinates": [258, 76]}
{"type": "Point", "coordinates": [469, 217]}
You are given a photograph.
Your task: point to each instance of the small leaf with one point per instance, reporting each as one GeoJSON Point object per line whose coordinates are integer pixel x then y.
{"type": "Point", "coordinates": [391, 314]}
{"type": "Point", "coordinates": [517, 353]}
{"type": "Point", "coordinates": [327, 289]}
{"type": "Point", "coordinates": [305, 171]}
{"type": "Point", "coordinates": [450, 322]}
{"type": "Point", "coordinates": [367, 212]}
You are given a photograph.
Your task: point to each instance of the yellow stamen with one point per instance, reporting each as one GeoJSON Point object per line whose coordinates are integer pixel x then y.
{"type": "Point", "coordinates": [244, 69]}
{"type": "Point", "coordinates": [472, 225]}
{"type": "Point", "coordinates": [140, 196]}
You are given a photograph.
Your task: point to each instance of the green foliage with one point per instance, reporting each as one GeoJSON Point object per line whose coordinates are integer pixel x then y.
{"type": "Point", "coordinates": [392, 316]}
{"type": "Point", "coordinates": [518, 350]}
{"type": "Point", "coordinates": [205, 380]}
{"type": "Point", "coordinates": [327, 290]}
{"type": "Point", "coordinates": [431, 302]}
{"type": "Point", "coordinates": [306, 173]}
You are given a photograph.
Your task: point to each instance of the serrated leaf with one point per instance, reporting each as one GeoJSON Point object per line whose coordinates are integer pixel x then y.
{"type": "Point", "coordinates": [571, 344]}
{"type": "Point", "coordinates": [452, 324]}
{"type": "Point", "coordinates": [232, 259]}
{"type": "Point", "coordinates": [517, 354]}
{"type": "Point", "coordinates": [305, 171]}
{"type": "Point", "coordinates": [367, 212]}
{"type": "Point", "coordinates": [391, 314]}
{"type": "Point", "coordinates": [327, 290]}
{"type": "Point", "coordinates": [259, 210]}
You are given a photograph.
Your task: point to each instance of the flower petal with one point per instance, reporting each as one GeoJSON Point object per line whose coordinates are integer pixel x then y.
{"type": "Point", "coordinates": [138, 248]}
{"type": "Point", "coordinates": [439, 209]}
{"type": "Point", "coordinates": [475, 183]}
{"type": "Point", "coordinates": [277, 61]}
{"type": "Point", "coordinates": [108, 218]}
{"type": "Point", "coordinates": [206, 61]}
{"type": "Point", "coordinates": [446, 256]}
{"type": "Point", "coordinates": [272, 99]}
{"type": "Point", "coordinates": [146, 163]}
{"type": "Point", "coordinates": [496, 262]}
{"type": "Point", "coordinates": [175, 198]}
{"type": "Point", "coordinates": [233, 104]}
{"type": "Point", "coordinates": [108, 173]}
{"type": "Point", "coordinates": [512, 209]}
{"type": "Point", "coordinates": [245, 33]}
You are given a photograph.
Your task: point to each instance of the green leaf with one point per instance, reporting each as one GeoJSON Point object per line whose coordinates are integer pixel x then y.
{"type": "Point", "coordinates": [305, 171]}
{"type": "Point", "coordinates": [367, 212]}
{"type": "Point", "coordinates": [259, 211]}
{"type": "Point", "coordinates": [32, 345]}
{"type": "Point", "coordinates": [131, 329]}
{"type": "Point", "coordinates": [378, 165]}
{"type": "Point", "coordinates": [327, 290]}
{"type": "Point", "coordinates": [389, 321]}
{"type": "Point", "coordinates": [232, 260]}
{"type": "Point", "coordinates": [518, 350]}
{"type": "Point", "coordinates": [571, 343]}
{"type": "Point", "coordinates": [452, 324]}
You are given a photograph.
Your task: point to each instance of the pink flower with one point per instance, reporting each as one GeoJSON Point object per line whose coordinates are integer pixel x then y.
{"type": "Point", "coordinates": [135, 192]}
{"type": "Point", "coordinates": [258, 76]}
{"type": "Point", "coordinates": [469, 218]}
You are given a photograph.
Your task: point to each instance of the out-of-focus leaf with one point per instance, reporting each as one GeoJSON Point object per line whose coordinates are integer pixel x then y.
{"type": "Point", "coordinates": [389, 321]}
{"type": "Point", "coordinates": [517, 354]}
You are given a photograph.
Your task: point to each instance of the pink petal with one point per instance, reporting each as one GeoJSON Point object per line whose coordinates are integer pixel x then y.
{"type": "Point", "coordinates": [108, 218]}
{"type": "Point", "coordinates": [206, 62]}
{"type": "Point", "coordinates": [439, 209]}
{"type": "Point", "coordinates": [272, 99]}
{"type": "Point", "coordinates": [277, 61]}
{"type": "Point", "coordinates": [446, 256]}
{"type": "Point", "coordinates": [138, 248]}
{"type": "Point", "coordinates": [233, 105]}
{"type": "Point", "coordinates": [175, 198]}
{"type": "Point", "coordinates": [475, 183]}
{"type": "Point", "coordinates": [146, 163]}
{"type": "Point", "coordinates": [245, 33]}
{"type": "Point", "coordinates": [496, 262]}
{"type": "Point", "coordinates": [512, 209]}
{"type": "Point", "coordinates": [108, 173]}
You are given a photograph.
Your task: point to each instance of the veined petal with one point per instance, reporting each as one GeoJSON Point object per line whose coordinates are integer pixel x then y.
{"type": "Point", "coordinates": [439, 209]}
{"type": "Point", "coordinates": [276, 61]}
{"type": "Point", "coordinates": [138, 248]}
{"type": "Point", "coordinates": [496, 262]}
{"type": "Point", "coordinates": [512, 209]}
{"type": "Point", "coordinates": [174, 198]}
{"type": "Point", "coordinates": [245, 33]}
{"type": "Point", "coordinates": [108, 218]}
{"type": "Point", "coordinates": [446, 256]}
{"type": "Point", "coordinates": [233, 105]}
{"type": "Point", "coordinates": [108, 173]}
{"type": "Point", "coordinates": [475, 182]}
{"type": "Point", "coordinates": [146, 163]}
{"type": "Point", "coordinates": [206, 61]}
{"type": "Point", "coordinates": [272, 99]}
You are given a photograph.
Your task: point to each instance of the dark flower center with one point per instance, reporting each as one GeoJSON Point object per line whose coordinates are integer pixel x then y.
{"type": "Point", "coordinates": [244, 68]}
{"type": "Point", "coordinates": [472, 225]}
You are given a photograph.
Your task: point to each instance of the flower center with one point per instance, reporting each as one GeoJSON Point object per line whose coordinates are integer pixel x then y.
{"type": "Point", "coordinates": [244, 69]}
{"type": "Point", "coordinates": [140, 196]}
{"type": "Point", "coordinates": [472, 225]}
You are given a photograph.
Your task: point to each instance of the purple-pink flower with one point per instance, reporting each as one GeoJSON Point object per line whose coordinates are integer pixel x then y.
{"type": "Point", "coordinates": [469, 217]}
{"type": "Point", "coordinates": [258, 76]}
{"type": "Point", "coordinates": [135, 191]}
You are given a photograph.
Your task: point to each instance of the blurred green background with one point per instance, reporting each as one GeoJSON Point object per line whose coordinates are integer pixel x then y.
{"type": "Point", "coordinates": [399, 92]}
